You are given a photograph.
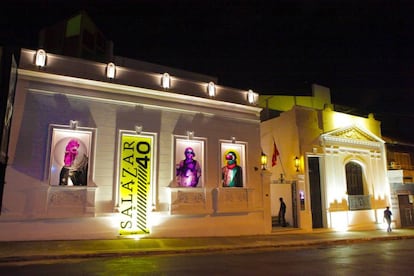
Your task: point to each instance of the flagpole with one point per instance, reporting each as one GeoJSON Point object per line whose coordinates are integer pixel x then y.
{"type": "Point", "coordinates": [279, 155]}
{"type": "Point", "coordinates": [281, 163]}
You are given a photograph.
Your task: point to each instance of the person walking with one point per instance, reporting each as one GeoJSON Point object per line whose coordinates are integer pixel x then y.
{"type": "Point", "coordinates": [282, 212]}
{"type": "Point", "coordinates": [387, 217]}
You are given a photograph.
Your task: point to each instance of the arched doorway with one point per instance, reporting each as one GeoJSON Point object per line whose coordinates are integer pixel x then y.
{"type": "Point", "coordinates": [354, 182]}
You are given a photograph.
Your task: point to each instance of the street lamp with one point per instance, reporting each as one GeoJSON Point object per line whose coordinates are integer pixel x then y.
{"type": "Point", "coordinates": [297, 163]}
{"type": "Point", "coordinates": [263, 161]}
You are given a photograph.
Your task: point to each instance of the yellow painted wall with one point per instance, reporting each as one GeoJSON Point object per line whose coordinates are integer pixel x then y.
{"type": "Point", "coordinates": [283, 131]}
{"type": "Point", "coordinates": [320, 97]}
{"type": "Point", "coordinates": [334, 120]}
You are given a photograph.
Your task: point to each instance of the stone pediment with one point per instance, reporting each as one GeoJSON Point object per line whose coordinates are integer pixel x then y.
{"type": "Point", "coordinates": [351, 134]}
{"type": "Point", "coordinates": [354, 133]}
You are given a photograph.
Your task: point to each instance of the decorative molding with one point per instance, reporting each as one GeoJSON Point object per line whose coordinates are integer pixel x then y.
{"type": "Point", "coordinates": [337, 206]}
{"type": "Point", "coordinates": [67, 198]}
{"type": "Point", "coordinates": [188, 201]}
{"type": "Point", "coordinates": [105, 89]}
{"type": "Point", "coordinates": [353, 136]}
{"type": "Point", "coordinates": [379, 203]}
{"type": "Point", "coordinates": [231, 200]}
{"type": "Point", "coordinates": [189, 197]}
{"type": "Point", "coordinates": [353, 133]}
{"type": "Point", "coordinates": [359, 202]}
{"type": "Point", "coordinates": [70, 201]}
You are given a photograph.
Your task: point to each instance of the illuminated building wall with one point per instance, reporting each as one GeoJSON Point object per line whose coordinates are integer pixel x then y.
{"type": "Point", "coordinates": [349, 138]}
{"type": "Point", "coordinates": [313, 131]}
{"type": "Point", "coordinates": [92, 156]}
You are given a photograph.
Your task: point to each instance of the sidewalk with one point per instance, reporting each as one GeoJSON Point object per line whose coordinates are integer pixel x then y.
{"type": "Point", "coordinates": [283, 238]}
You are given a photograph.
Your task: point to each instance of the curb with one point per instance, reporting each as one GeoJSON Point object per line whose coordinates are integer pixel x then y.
{"type": "Point", "coordinates": [195, 250]}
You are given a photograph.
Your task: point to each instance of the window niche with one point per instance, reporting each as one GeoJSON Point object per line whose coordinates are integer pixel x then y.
{"type": "Point", "coordinates": [70, 170]}
{"type": "Point", "coordinates": [231, 195]}
{"type": "Point", "coordinates": [187, 188]}
{"type": "Point", "coordinates": [354, 182]}
{"type": "Point", "coordinates": [357, 200]}
{"type": "Point", "coordinates": [189, 162]}
{"type": "Point", "coordinates": [233, 164]}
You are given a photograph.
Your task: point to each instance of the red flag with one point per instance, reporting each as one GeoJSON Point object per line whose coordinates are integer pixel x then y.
{"type": "Point", "coordinates": [275, 154]}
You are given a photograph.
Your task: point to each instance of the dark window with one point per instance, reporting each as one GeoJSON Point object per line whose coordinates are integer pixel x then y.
{"type": "Point", "coordinates": [100, 41]}
{"type": "Point", "coordinates": [88, 40]}
{"type": "Point", "coordinates": [354, 183]}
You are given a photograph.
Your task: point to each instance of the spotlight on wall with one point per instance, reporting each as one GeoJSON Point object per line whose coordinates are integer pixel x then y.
{"type": "Point", "coordinates": [110, 70]}
{"type": "Point", "coordinates": [73, 124]}
{"type": "Point", "coordinates": [251, 97]}
{"type": "Point", "coordinates": [166, 81]}
{"type": "Point", "coordinates": [233, 139]}
{"type": "Point", "coordinates": [297, 163]}
{"type": "Point", "coordinates": [138, 129]}
{"type": "Point", "coordinates": [263, 161]}
{"type": "Point", "coordinates": [190, 134]}
{"type": "Point", "coordinates": [40, 59]}
{"type": "Point", "coordinates": [211, 89]}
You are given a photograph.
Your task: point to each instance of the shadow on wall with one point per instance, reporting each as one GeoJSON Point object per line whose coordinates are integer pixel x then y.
{"type": "Point", "coordinates": [128, 117]}
{"type": "Point", "coordinates": [195, 123]}
{"type": "Point", "coordinates": [41, 111]}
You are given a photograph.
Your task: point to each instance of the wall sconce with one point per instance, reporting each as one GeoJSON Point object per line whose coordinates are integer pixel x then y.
{"type": "Point", "coordinates": [190, 134]}
{"type": "Point", "coordinates": [297, 163]}
{"type": "Point", "coordinates": [166, 81]}
{"type": "Point", "coordinates": [233, 140]}
{"type": "Point", "coordinates": [138, 129]}
{"type": "Point", "coordinates": [251, 96]}
{"type": "Point", "coordinates": [263, 161]}
{"type": "Point", "coordinates": [110, 70]}
{"type": "Point", "coordinates": [40, 59]}
{"type": "Point", "coordinates": [211, 89]}
{"type": "Point", "coordinates": [73, 124]}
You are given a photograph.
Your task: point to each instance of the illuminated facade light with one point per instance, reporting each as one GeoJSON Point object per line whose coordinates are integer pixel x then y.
{"type": "Point", "coordinates": [211, 89]}
{"type": "Point", "coordinates": [73, 124]}
{"type": "Point", "coordinates": [297, 163]}
{"type": "Point", "coordinates": [233, 140]}
{"type": "Point", "coordinates": [40, 58]}
{"type": "Point", "coordinates": [263, 161]}
{"type": "Point", "coordinates": [251, 97]}
{"type": "Point", "coordinates": [166, 81]}
{"type": "Point", "coordinates": [110, 70]}
{"type": "Point", "coordinates": [138, 129]}
{"type": "Point", "coordinates": [190, 134]}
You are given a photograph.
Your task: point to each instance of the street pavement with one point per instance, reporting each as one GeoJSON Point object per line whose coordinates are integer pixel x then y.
{"type": "Point", "coordinates": [281, 238]}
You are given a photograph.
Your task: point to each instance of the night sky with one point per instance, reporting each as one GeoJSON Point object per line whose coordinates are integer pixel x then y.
{"type": "Point", "coordinates": [362, 50]}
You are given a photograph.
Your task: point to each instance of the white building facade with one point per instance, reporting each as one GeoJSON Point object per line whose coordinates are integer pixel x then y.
{"type": "Point", "coordinates": [95, 151]}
